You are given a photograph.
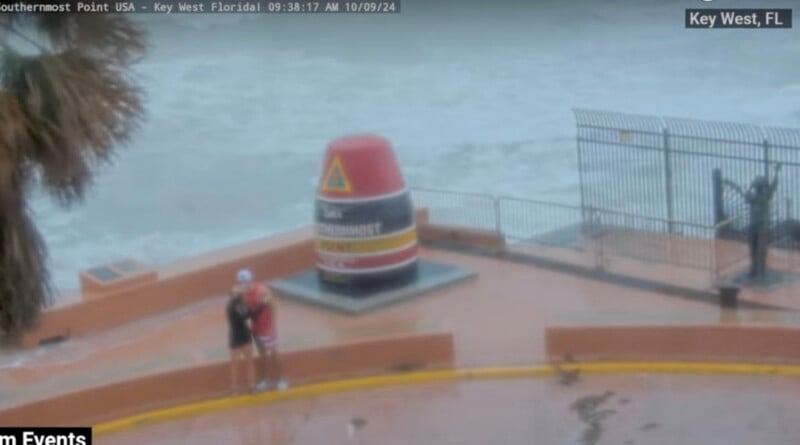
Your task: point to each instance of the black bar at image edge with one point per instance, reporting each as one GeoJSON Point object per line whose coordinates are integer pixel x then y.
{"type": "Point", "coordinates": [208, 6]}
{"type": "Point", "coordinates": [46, 435]}
{"type": "Point", "coordinates": [738, 18]}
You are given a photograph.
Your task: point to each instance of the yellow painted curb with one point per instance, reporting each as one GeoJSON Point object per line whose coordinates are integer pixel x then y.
{"type": "Point", "coordinates": [338, 386]}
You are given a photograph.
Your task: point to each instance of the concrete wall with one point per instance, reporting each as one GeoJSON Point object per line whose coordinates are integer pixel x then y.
{"type": "Point", "coordinates": [180, 284]}
{"type": "Point", "coordinates": [108, 402]}
{"type": "Point", "coordinates": [167, 293]}
{"type": "Point", "coordinates": [728, 343]}
{"type": "Point", "coordinates": [445, 235]}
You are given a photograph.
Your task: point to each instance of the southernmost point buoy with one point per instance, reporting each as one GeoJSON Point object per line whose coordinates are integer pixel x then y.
{"type": "Point", "coordinates": [365, 229]}
{"type": "Point", "coordinates": [366, 248]}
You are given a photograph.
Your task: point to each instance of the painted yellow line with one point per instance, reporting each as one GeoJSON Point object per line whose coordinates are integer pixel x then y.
{"type": "Point", "coordinates": [338, 386]}
{"type": "Point", "coordinates": [370, 245]}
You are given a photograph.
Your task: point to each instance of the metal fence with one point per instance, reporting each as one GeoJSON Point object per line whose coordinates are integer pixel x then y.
{"type": "Point", "coordinates": [648, 193]}
{"type": "Point", "coordinates": [662, 167]}
{"type": "Point", "coordinates": [473, 210]}
{"type": "Point", "coordinates": [607, 232]}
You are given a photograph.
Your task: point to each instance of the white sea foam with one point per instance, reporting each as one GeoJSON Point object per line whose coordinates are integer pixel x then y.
{"type": "Point", "coordinates": [240, 109]}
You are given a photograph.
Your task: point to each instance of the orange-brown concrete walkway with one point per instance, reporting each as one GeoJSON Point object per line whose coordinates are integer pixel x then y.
{"type": "Point", "coordinates": [652, 410]}
{"type": "Point", "coordinates": [496, 319]}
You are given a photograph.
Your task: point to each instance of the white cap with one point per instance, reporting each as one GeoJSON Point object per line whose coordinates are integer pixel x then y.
{"type": "Point", "coordinates": [244, 276]}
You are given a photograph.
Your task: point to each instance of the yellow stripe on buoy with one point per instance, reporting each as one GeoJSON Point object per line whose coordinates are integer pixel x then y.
{"type": "Point", "coordinates": [368, 245]}
{"type": "Point", "coordinates": [338, 386]}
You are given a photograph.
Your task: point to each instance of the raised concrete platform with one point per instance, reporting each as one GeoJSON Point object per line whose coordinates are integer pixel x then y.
{"type": "Point", "coordinates": [176, 322]}
{"type": "Point", "coordinates": [307, 288]}
{"type": "Point", "coordinates": [774, 279]}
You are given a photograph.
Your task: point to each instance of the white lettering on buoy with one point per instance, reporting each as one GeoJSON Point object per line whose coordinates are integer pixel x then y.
{"type": "Point", "coordinates": [331, 213]}
{"type": "Point", "coordinates": [334, 230]}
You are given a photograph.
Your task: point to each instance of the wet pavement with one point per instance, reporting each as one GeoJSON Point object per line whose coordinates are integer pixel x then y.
{"type": "Point", "coordinates": [496, 319]}
{"type": "Point", "coordinates": [595, 410]}
{"type": "Point", "coordinates": [521, 298]}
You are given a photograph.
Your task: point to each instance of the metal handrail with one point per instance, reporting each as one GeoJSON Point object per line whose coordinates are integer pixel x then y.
{"type": "Point", "coordinates": [454, 192]}
{"type": "Point", "coordinates": [538, 202]}
{"type": "Point", "coordinates": [719, 225]}
{"type": "Point", "coordinates": [710, 232]}
{"type": "Point", "coordinates": [568, 206]}
{"type": "Point", "coordinates": [649, 218]}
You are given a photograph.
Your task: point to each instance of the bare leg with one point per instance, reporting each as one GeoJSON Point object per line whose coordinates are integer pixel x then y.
{"type": "Point", "coordinates": [249, 368]}
{"type": "Point", "coordinates": [263, 362]}
{"type": "Point", "coordinates": [261, 365]}
{"type": "Point", "coordinates": [274, 364]}
{"type": "Point", "coordinates": [234, 371]}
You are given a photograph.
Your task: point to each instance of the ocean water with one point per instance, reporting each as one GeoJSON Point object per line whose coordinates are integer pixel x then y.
{"type": "Point", "coordinates": [474, 96]}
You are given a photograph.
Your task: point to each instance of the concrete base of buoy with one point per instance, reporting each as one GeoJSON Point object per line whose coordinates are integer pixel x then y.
{"type": "Point", "coordinates": [364, 285]}
{"type": "Point", "coordinates": [307, 287]}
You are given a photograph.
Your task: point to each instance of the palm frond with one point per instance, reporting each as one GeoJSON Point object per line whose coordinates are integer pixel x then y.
{"type": "Point", "coordinates": [79, 107]}
{"type": "Point", "coordinates": [62, 112]}
{"type": "Point", "coordinates": [97, 109]}
{"type": "Point", "coordinates": [103, 36]}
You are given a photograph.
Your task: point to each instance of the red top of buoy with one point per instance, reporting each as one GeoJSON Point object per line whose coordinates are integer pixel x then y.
{"type": "Point", "coordinates": [360, 166]}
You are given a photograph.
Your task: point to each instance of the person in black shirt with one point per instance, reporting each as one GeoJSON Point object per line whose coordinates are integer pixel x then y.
{"type": "Point", "coordinates": [239, 340]}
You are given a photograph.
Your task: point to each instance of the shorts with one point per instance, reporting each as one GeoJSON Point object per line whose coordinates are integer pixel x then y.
{"type": "Point", "coordinates": [266, 341]}
{"type": "Point", "coordinates": [238, 339]}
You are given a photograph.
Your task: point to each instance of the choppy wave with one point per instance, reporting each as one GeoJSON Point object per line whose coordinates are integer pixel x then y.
{"type": "Point", "coordinates": [240, 109]}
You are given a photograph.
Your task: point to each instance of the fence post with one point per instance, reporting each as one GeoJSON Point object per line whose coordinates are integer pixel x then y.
{"type": "Point", "coordinates": [497, 224]}
{"type": "Point", "coordinates": [714, 252]}
{"type": "Point", "coordinates": [776, 240]}
{"type": "Point", "coordinates": [581, 178]}
{"type": "Point", "coordinates": [717, 197]}
{"type": "Point", "coordinates": [668, 182]}
{"type": "Point", "coordinates": [793, 246]}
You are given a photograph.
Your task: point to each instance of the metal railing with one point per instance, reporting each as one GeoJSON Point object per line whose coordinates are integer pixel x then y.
{"type": "Point", "coordinates": [603, 232]}
{"type": "Point", "coordinates": [528, 220]}
{"type": "Point", "coordinates": [607, 232]}
{"type": "Point", "coordinates": [474, 210]}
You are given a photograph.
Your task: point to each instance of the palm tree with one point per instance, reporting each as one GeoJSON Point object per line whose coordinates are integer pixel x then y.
{"type": "Point", "coordinates": [67, 99]}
